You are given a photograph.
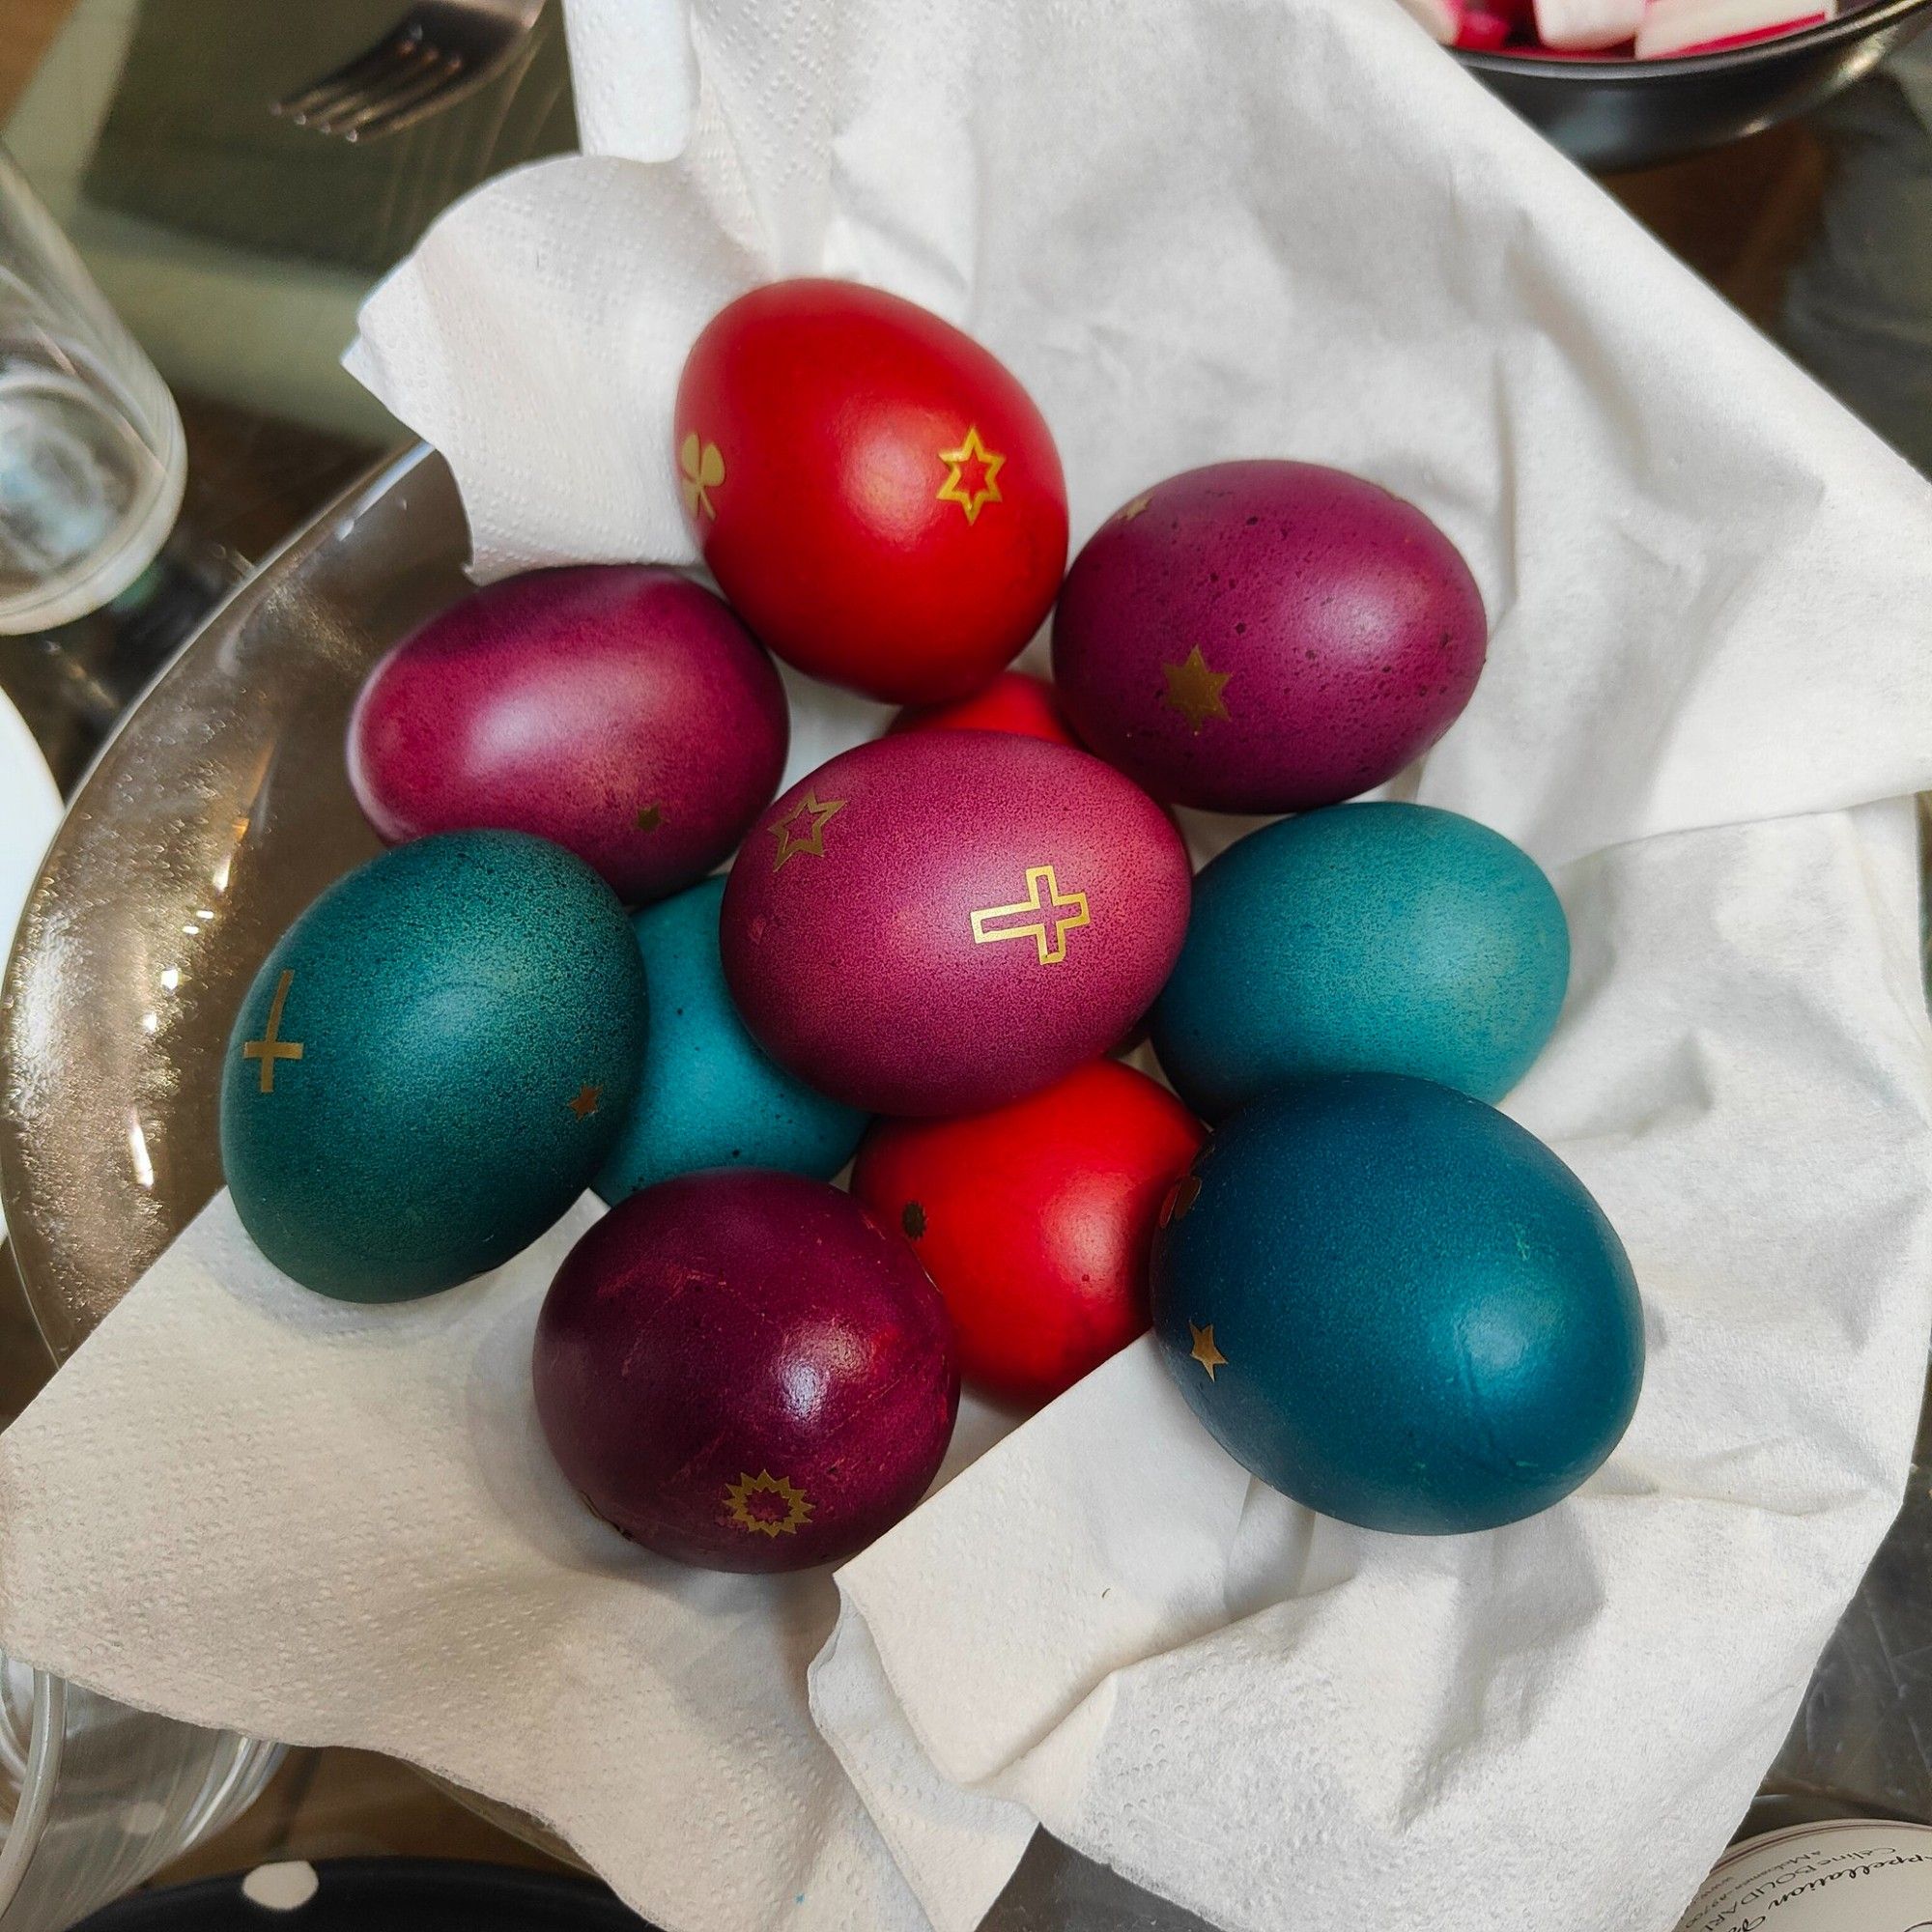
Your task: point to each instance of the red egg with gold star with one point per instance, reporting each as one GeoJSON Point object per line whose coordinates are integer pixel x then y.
{"type": "Point", "coordinates": [741, 1370]}
{"type": "Point", "coordinates": [943, 920]}
{"type": "Point", "coordinates": [1034, 1219]}
{"type": "Point", "coordinates": [874, 492]}
{"type": "Point", "coordinates": [1017, 700]}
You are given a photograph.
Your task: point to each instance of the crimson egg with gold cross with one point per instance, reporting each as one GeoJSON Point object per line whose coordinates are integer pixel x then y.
{"type": "Point", "coordinates": [942, 920]}
{"type": "Point", "coordinates": [886, 508]}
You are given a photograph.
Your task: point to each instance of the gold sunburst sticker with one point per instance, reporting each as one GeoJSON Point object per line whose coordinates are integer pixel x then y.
{"type": "Point", "coordinates": [767, 1505]}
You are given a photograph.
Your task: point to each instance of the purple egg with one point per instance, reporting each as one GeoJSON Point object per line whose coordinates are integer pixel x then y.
{"type": "Point", "coordinates": [621, 711]}
{"type": "Point", "coordinates": [943, 921]}
{"type": "Point", "coordinates": [1266, 637]}
{"type": "Point", "coordinates": [741, 1370]}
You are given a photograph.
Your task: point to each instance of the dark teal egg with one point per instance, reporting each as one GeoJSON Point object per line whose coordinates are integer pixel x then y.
{"type": "Point", "coordinates": [709, 1095]}
{"type": "Point", "coordinates": [430, 1064]}
{"type": "Point", "coordinates": [1366, 938]}
{"type": "Point", "coordinates": [1395, 1305]}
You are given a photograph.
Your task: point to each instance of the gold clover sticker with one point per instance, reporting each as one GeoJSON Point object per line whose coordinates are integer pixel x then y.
{"type": "Point", "coordinates": [703, 466]}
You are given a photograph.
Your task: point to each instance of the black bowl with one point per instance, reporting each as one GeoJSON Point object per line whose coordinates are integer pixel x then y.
{"type": "Point", "coordinates": [1614, 114]}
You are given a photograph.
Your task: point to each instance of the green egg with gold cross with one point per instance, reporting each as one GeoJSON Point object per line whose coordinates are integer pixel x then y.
{"type": "Point", "coordinates": [430, 1064]}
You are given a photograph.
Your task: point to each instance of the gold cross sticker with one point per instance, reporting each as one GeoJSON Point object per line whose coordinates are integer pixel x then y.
{"type": "Point", "coordinates": [268, 1048]}
{"type": "Point", "coordinates": [1049, 934]}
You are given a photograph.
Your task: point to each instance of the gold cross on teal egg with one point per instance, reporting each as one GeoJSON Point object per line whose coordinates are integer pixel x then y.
{"type": "Point", "coordinates": [430, 1064]}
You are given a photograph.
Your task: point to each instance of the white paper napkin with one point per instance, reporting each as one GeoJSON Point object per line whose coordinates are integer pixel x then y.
{"type": "Point", "coordinates": [1207, 229]}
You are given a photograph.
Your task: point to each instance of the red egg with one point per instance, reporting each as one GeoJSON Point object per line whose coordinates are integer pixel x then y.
{"type": "Point", "coordinates": [941, 920]}
{"type": "Point", "coordinates": [743, 1370]}
{"type": "Point", "coordinates": [1034, 1219]}
{"type": "Point", "coordinates": [1014, 702]}
{"type": "Point", "coordinates": [1266, 637]}
{"type": "Point", "coordinates": [620, 711]}
{"type": "Point", "coordinates": [874, 493]}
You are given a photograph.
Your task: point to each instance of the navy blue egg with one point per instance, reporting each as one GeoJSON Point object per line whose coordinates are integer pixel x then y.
{"type": "Point", "coordinates": [430, 1064]}
{"type": "Point", "coordinates": [1365, 938]}
{"type": "Point", "coordinates": [1392, 1303]}
{"type": "Point", "coordinates": [708, 1094]}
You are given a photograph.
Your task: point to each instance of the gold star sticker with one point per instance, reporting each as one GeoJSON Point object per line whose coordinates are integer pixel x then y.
{"type": "Point", "coordinates": [650, 819]}
{"type": "Point", "coordinates": [703, 466]}
{"type": "Point", "coordinates": [956, 490]}
{"type": "Point", "coordinates": [1204, 1349]}
{"type": "Point", "coordinates": [763, 1520]}
{"type": "Point", "coordinates": [1133, 509]}
{"type": "Point", "coordinates": [792, 841]}
{"type": "Point", "coordinates": [1194, 690]}
{"type": "Point", "coordinates": [584, 1102]}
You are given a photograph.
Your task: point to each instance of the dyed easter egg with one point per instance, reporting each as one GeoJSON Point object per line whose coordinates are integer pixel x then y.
{"type": "Point", "coordinates": [875, 494]}
{"type": "Point", "coordinates": [1033, 1219]}
{"type": "Point", "coordinates": [1367, 938]}
{"type": "Point", "coordinates": [708, 1095]}
{"type": "Point", "coordinates": [620, 710]}
{"type": "Point", "coordinates": [430, 1064]}
{"type": "Point", "coordinates": [943, 920]}
{"type": "Point", "coordinates": [1395, 1305]}
{"type": "Point", "coordinates": [1266, 637]}
{"type": "Point", "coordinates": [1014, 702]}
{"type": "Point", "coordinates": [743, 1370]}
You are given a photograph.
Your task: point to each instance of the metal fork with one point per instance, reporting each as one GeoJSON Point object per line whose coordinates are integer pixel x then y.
{"type": "Point", "coordinates": [438, 51]}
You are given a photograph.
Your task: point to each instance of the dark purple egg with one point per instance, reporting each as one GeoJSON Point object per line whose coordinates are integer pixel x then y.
{"type": "Point", "coordinates": [943, 921]}
{"type": "Point", "coordinates": [740, 1370]}
{"type": "Point", "coordinates": [619, 710]}
{"type": "Point", "coordinates": [1266, 637]}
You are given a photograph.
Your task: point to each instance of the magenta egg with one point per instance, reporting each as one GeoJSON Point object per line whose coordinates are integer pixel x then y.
{"type": "Point", "coordinates": [943, 921]}
{"type": "Point", "coordinates": [741, 1370]}
{"type": "Point", "coordinates": [619, 710]}
{"type": "Point", "coordinates": [1266, 637]}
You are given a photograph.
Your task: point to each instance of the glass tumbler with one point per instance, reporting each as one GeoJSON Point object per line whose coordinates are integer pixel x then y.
{"type": "Point", "coordinates": [92, 458]}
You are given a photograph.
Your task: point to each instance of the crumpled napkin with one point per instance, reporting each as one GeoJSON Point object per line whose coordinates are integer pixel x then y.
{"type": "Point", "coordinates": [1208, 229]}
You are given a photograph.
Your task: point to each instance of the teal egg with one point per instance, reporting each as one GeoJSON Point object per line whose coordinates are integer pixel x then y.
{"type": "Point", "coordinates": [708, 1094]}
{"type": "Point", "coordinates": [1364, 938]}
{"type": "Point", "coordinates": [1392, 1303]}
{"type": "Point", "coordinates": [430, 1064]}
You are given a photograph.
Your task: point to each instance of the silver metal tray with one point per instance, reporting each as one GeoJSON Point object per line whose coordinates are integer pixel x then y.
{"type": "Point", "coordinates": [217, 814]}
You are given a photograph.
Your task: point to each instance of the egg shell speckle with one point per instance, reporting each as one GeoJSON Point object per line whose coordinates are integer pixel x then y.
{"type": "Point", "coordinates": [894, 967]}
{"type": "Point", "coordinates": [1368, 938]}
{"type": "Point", "coordinates": [470, 1014]}
{"type": "Point", "coordinates": [1339, 632]}
{"type": "Point", "coordinates": [619, 709]}
{"type": "Point", "coordinates": [743, 1370]}
{"type": "Point", "coordinates": [1395, 1305]}
{"type": "Point", "coordinates": [708, 1094]}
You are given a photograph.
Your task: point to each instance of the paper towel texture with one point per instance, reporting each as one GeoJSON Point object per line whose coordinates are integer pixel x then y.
{"type": "Point", "coordinates": [1207, 229]}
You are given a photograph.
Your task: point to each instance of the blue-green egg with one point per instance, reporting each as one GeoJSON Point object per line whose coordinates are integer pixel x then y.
{"type": "Point", "coordinates": [1366, 938]}
{"type": "Point", "coordinates": [1392, 1303]}
{"type": "Point", "coordinates": [708, 1094]}
{"type": "Point", "coordinates": [430, 1064]}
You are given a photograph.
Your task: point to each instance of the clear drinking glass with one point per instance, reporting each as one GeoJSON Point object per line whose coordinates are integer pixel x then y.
{"type": "Point", "coordinates": [92, 458]}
